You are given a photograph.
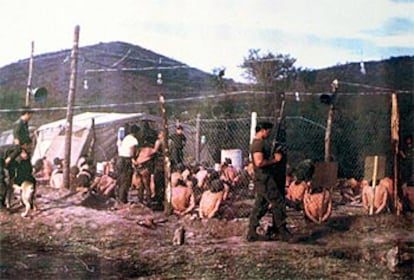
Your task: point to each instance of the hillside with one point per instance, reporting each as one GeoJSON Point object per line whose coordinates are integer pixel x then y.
{"type": "Point", "coordinates": [395, 73]}
{"type": "Point", "coordinates": [114, 72]}
{"type": "Point", "coordinates": [119, 76]}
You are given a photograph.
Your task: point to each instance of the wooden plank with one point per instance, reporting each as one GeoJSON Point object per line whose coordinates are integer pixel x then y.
{"type": "Point", "coordinates": [326, 174]}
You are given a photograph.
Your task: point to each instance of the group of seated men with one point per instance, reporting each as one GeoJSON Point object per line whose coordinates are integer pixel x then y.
{"type": "Point", "coordinates": [374, 199]}
{"type": "Point", "coordinates": [204, 191]}
{"type": "Point", "coordinates": [191, 185]}
{"type": "Point", "coordinates": [83, 175]}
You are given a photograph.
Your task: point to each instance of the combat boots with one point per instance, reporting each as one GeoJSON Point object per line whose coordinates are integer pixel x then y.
{"type": "Point", "coordinates": [281, 233]}
{"type": "Point", "coordinates": [252, 236]}
{"type": "Point", "coordinates": [284, 234]}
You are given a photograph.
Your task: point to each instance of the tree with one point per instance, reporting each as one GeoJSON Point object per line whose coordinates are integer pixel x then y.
{"type": "Point", "coordinates": [272, 72]}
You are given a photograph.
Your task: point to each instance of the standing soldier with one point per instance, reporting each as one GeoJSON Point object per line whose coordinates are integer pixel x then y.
{"type": "Point", "coordinates": [178, 141]}
{"type": "Point", "coordinates": [18, 158]}
{"type": "Point", "coordinates": [267, 193]}
{"type": "Point", "coordinates": [21, 132]}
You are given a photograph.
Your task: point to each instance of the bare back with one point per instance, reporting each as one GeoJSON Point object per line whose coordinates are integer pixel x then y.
{"type": "Point", "coordinates": [182, 200]}
{"type": "Point", "coordinates": [296, 192]}
{"type": "Point", "coordinates": [210, 203]}
{"type": "Point", "coordinates": [318, 206]}
{"type": "Point", "coordinates": [380, 197]}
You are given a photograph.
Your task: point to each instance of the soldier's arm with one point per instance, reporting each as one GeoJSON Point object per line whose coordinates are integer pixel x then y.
{"type": "Point", "coordinates": [260, 161]}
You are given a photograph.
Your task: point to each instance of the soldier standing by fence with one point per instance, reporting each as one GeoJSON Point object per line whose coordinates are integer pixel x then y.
{"type": "Point", "coordinates": [267, 193]}
{"type": "Point", "coordinates": [178, 141]}
{"type": "Point", "coordinates": [18, 158]}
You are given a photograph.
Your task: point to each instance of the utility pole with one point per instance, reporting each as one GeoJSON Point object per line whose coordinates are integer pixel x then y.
{"type": "Point", "coordinates": [328, 131]}
{"type": "Point", "coordinates": [29, 78]}
{"type": "Point", "coordinates": [197, 140]}
{"type": "Point", "coordinates": [166, 152]}
{"type": "Point", "coordinates": [69, 113]}
{"type": "Point", "coordinates": [395, 128]}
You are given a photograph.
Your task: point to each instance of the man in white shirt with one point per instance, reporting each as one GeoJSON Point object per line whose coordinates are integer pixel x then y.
{"type": "Point", "coordinates": [126, 154]}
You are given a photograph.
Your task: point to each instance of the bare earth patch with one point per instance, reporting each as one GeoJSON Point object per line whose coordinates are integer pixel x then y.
{"type": "Point", "coordinates": [75, 236]}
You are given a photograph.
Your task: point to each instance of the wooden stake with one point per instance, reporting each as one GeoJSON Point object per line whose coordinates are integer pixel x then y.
{"type": "Point", "coordinates": [29, 78]}
{"type": "Point", "coordinates": [395, 126]}
{"type": "Point", "coordinates": [69, 112]}
{"type": "Point", "coordinates": [328, 134]}
{"type": "Point", "coordinates": [166, 153]}
{"type": "Point", "coordinates": [197, 140]}
{"type": "Point", "coordinates": [374, 181]}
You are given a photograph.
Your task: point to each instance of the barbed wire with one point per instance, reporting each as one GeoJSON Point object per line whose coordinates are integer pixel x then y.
{"type": "Point", "coordinates": [208, 95]}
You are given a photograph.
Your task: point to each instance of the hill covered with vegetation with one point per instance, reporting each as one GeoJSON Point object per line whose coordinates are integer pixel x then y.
{"type": "Point", "coordinates": [119, 76]}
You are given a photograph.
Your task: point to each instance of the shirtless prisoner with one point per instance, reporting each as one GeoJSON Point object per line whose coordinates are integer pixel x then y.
{"type": "Point", "coordinates": [380, 196]}
{"type": "Point", "coordinates": [182, 201]}
{"type": "Point", "coordinates": [211, 200]}
{"type": "Point", "coordinates": [317, 206]}
{"type": "Point", "coordinates": [295, 194]}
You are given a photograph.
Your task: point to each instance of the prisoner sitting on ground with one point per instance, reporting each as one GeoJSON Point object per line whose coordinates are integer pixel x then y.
{"type": "Point", "coordinates": [295, 194]}
{"type": "Point", "coordinates": [85, 176]}
{"type": "Point", "coordinates": [388, 184]}
{"type": "Point", "coordinates": [302, 177]}
{"type": "Point", "coordinates": [56, 179]}
{"type": "Point", "coordinates": [182, 201]}
{"type": "Point", "coordinates": [105, 184]}
{"type": "Point", "coordinates": [42, 171]}
{"type": "Point", "coordinates": [176, 175]}
{"type": "Point", "coordinates": [379, 197]}
{"type": "Point", "coordinates": [351, 191]}
{"type": "Point", "coordinates": [317, 205]}
{"type": "Point", "coordinates": [211, 200]}
{"type": "Point", "coordinates": [201, 175]}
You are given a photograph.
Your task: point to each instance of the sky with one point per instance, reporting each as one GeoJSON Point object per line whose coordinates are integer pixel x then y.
{"type": "Point", "coordinates": [211, 34]}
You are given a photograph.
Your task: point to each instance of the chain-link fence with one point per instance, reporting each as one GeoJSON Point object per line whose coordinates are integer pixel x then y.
{"type": "Point", "coordinates": [361, 128]}
{"type": "Point", "coordinates": [356, 134]}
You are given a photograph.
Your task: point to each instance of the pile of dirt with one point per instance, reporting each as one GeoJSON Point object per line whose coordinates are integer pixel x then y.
{"type": "Point", "coordinates": [84, 236]}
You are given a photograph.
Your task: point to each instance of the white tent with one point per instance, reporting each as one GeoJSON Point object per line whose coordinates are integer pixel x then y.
{"type": "Point", "coordinates": [93, 133]}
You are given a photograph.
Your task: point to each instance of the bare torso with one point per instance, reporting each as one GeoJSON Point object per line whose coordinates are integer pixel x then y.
{"type": "Point", "coordinates": [380, 197]}
{"type": "Point", "coordinates": [175, 176]}
{"type": "Point", "coordinates": [210, 203]}
{"type": "Point", "coordinates": [106, 185]}
{"type": "Point", "coordinates": [182, 200]}
{"type": "Point", "coordinates": [296, 192]}
{"type": "Point", "coordinates": [318, 206]}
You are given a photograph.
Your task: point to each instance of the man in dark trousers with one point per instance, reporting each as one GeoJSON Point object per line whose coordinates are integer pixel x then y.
{"type": "Point", "coordinates": [178, 141]}
{"type": "Point", "coordinates": [124, 167]}
{"type": "Point", "coordinates": [21, 132]}
{"type": "Point", "coordinates": [267, 194]}
{"type": "Point", "coordinates": [18, 157]}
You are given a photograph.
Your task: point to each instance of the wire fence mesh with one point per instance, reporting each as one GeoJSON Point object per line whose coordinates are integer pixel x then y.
{"type": "Point", "coordinates": [361, 128]}
{"type": "Point", "coordinates": [354, 137]}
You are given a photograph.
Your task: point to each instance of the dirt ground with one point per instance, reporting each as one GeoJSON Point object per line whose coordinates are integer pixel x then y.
{"type": "Point", "coordinates": [76, 236]}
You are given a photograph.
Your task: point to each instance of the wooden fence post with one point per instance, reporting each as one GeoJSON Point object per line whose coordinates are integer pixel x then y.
{"type": "Point", "coordinates": [29, 78]}
{"type": "Point", "coordinates": [166, 153]}
{"type": "Point", "coordinates": [69, 112]}
{"type": "Point", "coordinates": [395, 127]}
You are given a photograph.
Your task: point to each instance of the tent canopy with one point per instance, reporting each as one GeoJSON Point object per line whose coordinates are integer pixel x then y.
{"type": "Point", "coordinates": [93, 134]}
